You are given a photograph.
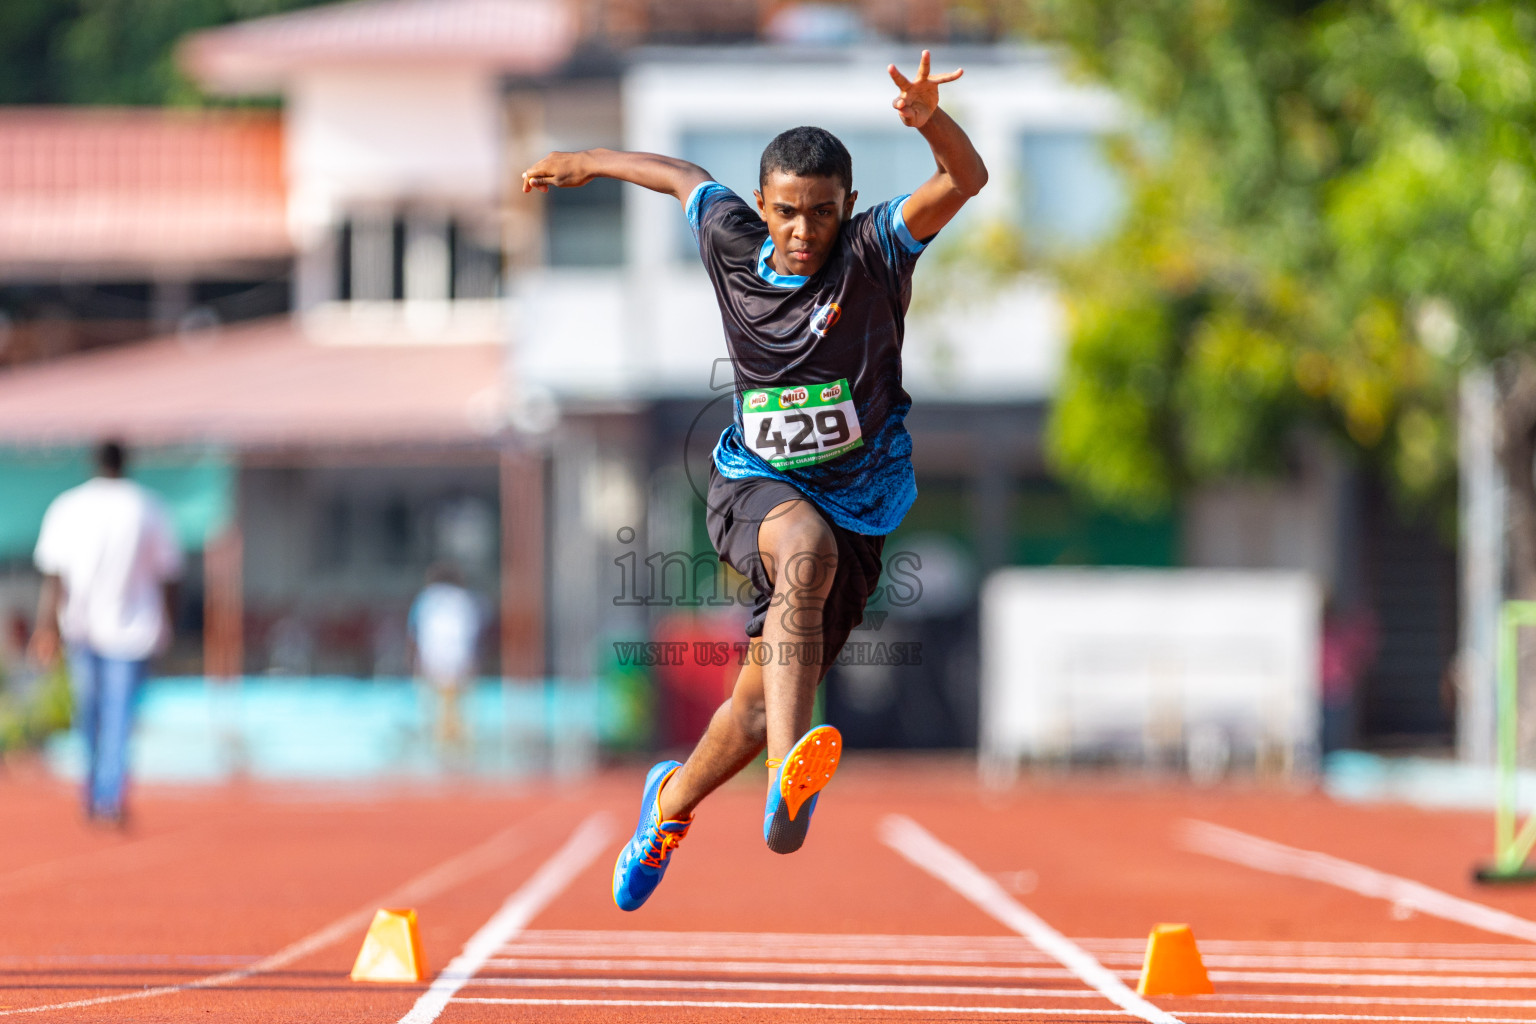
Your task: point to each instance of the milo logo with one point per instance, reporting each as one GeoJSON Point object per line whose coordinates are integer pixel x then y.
{"type": "Point", "coordinates": [758, 400]}
{"type": "Point", "coordinates": [832, 394]}
{"type": "Point", "coordinates": [794, 396]}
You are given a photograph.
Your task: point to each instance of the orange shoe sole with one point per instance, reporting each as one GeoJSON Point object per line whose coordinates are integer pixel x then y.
{"type": "Point", "coordinates": [809, 766]}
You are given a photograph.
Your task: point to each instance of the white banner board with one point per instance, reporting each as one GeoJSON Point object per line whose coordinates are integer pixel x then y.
{"type": "Point", "coordinates": [1184, 665]}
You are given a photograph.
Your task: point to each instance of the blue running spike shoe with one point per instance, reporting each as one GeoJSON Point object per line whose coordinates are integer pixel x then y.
{"type": "Point", "coordinates": [644, 858]}
{"type": "Point", "coordinates": [794, 785]}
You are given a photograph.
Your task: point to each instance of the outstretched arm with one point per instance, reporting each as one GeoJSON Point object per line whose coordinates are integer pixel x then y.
{"type": "Point", "coordinates": [960, 174]}
{"type": "Point", "coordinates": [676, 178]}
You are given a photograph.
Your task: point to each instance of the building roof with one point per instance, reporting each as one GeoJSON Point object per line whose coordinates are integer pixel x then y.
{"type": "Point", "coordinates": [519, 36]}
{"type": "Point", "coordinates": [141, 187]}
{"type": "Point", "coordinates": [258, 385]}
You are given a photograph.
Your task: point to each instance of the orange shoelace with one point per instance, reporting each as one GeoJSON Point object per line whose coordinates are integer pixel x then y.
{"type": "Point", "coordinates": [660, 844]}
{"type": "Point", "coordinates": [774, 762]}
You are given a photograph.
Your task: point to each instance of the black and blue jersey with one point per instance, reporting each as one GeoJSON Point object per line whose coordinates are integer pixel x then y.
{"type": "Point", "coordinates": [817, 359]}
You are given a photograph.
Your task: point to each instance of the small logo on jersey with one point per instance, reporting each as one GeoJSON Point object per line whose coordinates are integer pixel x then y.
{"type": "Point", "coordinates": [758, 400]}
{"type": "Point", "coordinates": [824, 317]}
{"type": "Point", "coordinates": [794, 396]}
{"type": "Point", "coordinates": [832, 393]}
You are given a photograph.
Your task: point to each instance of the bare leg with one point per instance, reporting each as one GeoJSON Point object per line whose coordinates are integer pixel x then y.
{"type": "Point", "coordinates": [734, 737]}
{"type": "Point", "coordinates": [801, 555]}
{"type": "Point", "coordinates": [772, 702]}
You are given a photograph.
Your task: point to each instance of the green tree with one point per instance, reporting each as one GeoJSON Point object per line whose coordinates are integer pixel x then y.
{"type": "Point", "coordinates": [1334, 216]}
{"type": "Point", "coordinates": [108, 51]}
{"type": "Point", "coordinates": [28, 31]}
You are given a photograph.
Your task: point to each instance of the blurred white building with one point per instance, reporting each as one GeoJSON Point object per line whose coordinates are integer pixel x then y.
{"type": "Point", "coordinates": [407, 124]}
{"type": "Point", "coordinates": [581, 384]}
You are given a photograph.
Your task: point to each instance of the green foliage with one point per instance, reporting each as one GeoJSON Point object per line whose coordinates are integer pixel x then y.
{"type": "Point", "coordinates": [1342, 216]}
{"type": "Point", "coordinates": [108, 51]}
{"type": "Point", "coordinates": [28, 30]}
{"type": "Point", "coordinates": [30, 714]}
{"type": "Point", "coordinates": [626, 702]}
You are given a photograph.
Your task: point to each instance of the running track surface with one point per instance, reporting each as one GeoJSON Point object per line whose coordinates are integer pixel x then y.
{"type": "Point", "coordinates": [918, 897]}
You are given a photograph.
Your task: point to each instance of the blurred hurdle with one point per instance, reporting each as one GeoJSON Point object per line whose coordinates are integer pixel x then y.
{"type": "Point", "coordinates": [1511, 849]}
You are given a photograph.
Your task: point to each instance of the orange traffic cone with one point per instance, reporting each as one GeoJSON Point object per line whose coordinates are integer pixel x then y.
{"type": "Point", "coordinates": [1173, 966]}
{"type": "Point", "coordinates": [391, 949]}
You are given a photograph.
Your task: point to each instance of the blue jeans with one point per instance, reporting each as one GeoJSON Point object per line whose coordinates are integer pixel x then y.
{"type": "Point", "coordinates": [104, 692]}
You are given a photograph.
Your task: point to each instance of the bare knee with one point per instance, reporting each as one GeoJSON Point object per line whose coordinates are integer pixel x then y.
{"type": "Point", "coordinates": [751, 717]}
{"type": "Point", "coordinates": [800, 549]}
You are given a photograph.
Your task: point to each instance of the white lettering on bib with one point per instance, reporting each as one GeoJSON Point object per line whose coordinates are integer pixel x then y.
{"type": "Point", "coordinates": [801, 425]}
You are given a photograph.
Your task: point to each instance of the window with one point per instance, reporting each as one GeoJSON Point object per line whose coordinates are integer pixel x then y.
{"type": "Point", "coordinates": [396, 532]}
{"type": "Point", "coordinates": [369, 255]}
{"type": "Point", "coordinates": [476, 270]}
{"type": "Point", "coordinates": [333, 550]}
{"type": "Point", "coordinates": [426, 256]}
{"type": "Point", "coordinates": [584, 226]}
{"type": "Point", "coordinates": [1070, 194]}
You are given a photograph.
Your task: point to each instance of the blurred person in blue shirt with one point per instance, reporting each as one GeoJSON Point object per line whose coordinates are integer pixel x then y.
{"type": "Point", "coordinates": [108, 558]}
{"type": "Point", "coordinates": [444, 626]}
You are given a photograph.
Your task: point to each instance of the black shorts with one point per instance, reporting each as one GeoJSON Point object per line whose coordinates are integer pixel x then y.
{"type": "Point", "coordinates": [737, 508]}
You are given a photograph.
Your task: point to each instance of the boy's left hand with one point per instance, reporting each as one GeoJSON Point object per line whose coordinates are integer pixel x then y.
{"type": "Point", "coordinates": [919, 97]}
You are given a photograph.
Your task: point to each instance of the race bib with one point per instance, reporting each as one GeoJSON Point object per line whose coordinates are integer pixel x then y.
{"type": "Point", "coordinates": [801, 425]}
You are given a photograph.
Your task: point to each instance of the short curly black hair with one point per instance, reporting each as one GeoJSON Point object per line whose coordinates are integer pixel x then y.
{"type": "Point", "coordinates": [807, 152]}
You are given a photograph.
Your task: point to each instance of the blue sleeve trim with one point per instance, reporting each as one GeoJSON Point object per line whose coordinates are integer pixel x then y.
{"type": "Point", "coordinates": [899, 227]}
{"type": "Point", "coordinates": [694, 207]}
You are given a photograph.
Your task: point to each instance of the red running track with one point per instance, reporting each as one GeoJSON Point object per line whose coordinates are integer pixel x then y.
{"type": "Point", "coordinates": [249, 904]}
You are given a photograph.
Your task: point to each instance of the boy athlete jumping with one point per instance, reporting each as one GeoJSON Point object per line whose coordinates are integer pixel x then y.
{"type": "Point", "coordinates": [816, 467]}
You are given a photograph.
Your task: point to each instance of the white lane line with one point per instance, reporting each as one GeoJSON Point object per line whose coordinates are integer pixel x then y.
{"type": "Point", "coordinates": [958, 1009]}
{"type": "Point", "coordinates": [771, 967]}
{"type": "Point", "coordinates": [520, 908]}
{"type": "Point", "coordinates": [1351, 1016]}
{"type": "Point", "coordinates": [702, 947]}
{"type": "Point", "coordinates": [1516, 952]}
{"type": "Point", "coordinates": [1010, 944]}
{"type": "Point", "coordinates": [1372, 980]}
{"type": "Point", "coordinates": [686, 946]}
{"type": "Point", "coordinates": [444, 876]}
{"type": "Point", "coordinates": [917, 845]}
{"type": "Point", "coordinates": [884, 970]}
{"type": "Point", "coordinates": [1277, 858]}
{"type": "Point", "coordinates": [1253, 997]}
{"type": "Point", "coordinates": [721, 1004]}
{"type": "Point", "coordinates": [971, 990]}
{"type": "Point", "coordinates": [714, 985]}
{"type": "Point", "coordinates": [1366, 963]}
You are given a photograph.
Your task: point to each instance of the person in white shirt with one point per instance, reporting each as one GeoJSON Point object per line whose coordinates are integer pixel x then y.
{"type": "Point", "coordinates": [108, 558]}
{"type": "Point", "coordinates": [444, 626]}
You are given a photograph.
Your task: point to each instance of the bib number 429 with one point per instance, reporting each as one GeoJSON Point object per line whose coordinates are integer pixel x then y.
{"type": "Point", "coordinates": [801, 426]}
{"type": "Point", "coordinates": [830, 428]}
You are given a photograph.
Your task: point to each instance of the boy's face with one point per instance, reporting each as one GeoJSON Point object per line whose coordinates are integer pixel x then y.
{"type": "Point", "coordinates": [803, 216]}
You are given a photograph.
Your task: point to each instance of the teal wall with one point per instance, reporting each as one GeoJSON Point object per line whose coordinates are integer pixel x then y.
{"type": "Point", "coordinates": [196, 486]}
{"type": "Point", "coordinates": [305, 729]}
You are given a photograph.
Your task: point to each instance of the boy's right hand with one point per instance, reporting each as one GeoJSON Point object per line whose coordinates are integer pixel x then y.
{"type": "Point", "coordinates": [562, 170]}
